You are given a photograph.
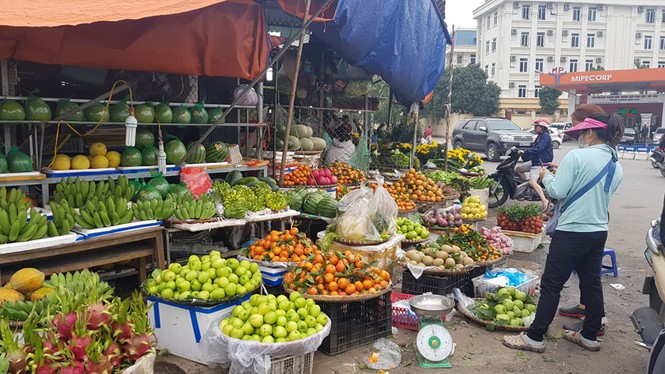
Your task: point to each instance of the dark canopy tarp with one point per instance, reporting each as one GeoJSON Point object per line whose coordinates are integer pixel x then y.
{"type": "Point", "coordinates": [403, 41]}
{"type": "Point", "coordinates": [225, 39]}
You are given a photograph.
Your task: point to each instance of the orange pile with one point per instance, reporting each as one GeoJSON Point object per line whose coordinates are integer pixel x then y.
{"type": "Point", "coordinates": [298, 177]}
{"type": "Point", "coordinates": [346, 174]}
{"type": "Point", "coordinates": [404, 202]}
{"type": "Point", "coordinates": [418, 187]}
{"type": "Point", "coordinates": [286, 246]}
{"type": "Point", "coordinates": [336, 274]}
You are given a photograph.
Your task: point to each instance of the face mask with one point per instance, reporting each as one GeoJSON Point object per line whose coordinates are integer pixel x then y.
{"type": "Point", "coordinates": [581, 143]}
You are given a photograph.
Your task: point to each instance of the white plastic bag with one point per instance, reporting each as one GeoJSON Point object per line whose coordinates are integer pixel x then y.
{"type": "Point", "coordinates": [249, 99]}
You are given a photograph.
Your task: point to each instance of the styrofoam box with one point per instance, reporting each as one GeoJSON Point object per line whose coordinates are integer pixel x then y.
{"type": "Point", "coordinates": [179, 327]}
{"type": "Point", "coordinates": [481, 285]}
{"type": "Point", "coordinates": [525, 244]}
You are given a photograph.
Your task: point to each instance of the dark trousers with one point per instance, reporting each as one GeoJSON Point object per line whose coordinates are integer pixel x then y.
{"type": "Point", "coordinates": [582, 252]}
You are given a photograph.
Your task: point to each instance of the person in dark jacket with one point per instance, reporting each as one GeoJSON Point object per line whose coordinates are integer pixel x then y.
{"type": "Point", "coordinates": [541, 153]}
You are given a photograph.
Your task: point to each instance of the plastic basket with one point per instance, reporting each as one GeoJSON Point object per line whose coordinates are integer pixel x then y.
{"type": "Point", "coordinates": [469, 290]}
{"type": "Point", "coordinates": [436, 284]}
{"type": "Point", "coordinates": [402, 318]}
{"type": "Point", "coordinates": [481, 285]}
{"type": "Point", "coordinates": [303, 364]}
{"type": "Point", "coordinates": [356, 323]}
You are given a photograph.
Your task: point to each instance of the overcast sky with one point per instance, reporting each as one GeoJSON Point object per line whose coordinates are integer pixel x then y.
{"type": "Point", "coordinates": [460, 13]}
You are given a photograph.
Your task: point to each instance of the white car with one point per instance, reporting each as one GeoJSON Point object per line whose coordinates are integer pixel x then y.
{"type": "Point", "coordinates": [556, 135]}
{"type": "Point", "coordinates": [657, 134]}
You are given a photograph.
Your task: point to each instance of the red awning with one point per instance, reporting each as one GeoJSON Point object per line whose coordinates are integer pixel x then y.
{"type": "Point", "coordinates": [227, 38]}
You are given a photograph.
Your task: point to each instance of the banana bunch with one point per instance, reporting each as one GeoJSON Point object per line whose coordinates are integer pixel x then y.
{"type": "Point", "coordinates": [154, 209]}
{"type": "Point", "coordinates": [77, 192]}
{"type": "Point", "coordinates": [19, 310]}
{"type": "Point", "coordinates": [63, 219]}
{"type": "Point", "coordinates": [180, 199]}
{"type": "Point", "coordinates": [14, 225]}
{"type": "Point", "coordinates": [201, 209]}
{"type": "Point", "coordinates": [103, 212]}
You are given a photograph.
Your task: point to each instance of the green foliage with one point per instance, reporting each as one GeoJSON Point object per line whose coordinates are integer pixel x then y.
{"type": "Point", "coordinates": [549, 99]}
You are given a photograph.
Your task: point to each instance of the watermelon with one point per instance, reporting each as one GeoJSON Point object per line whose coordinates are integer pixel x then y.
{"type": "Point", "coordinates": [217, 152]}
{"type": "Point", "coordinates": [233, 177]}
{"type": "Point", "coordinates": [216, 115]}
{"type": "Point", "coordinates": [4, 167]}
{"type": "Point", "coordinates": [18, 162]}
{"type": "Point", "coordinates": [144, 113]}
{"type": "Point", "coordinates": [149, 155]}
{"type": "Point", "coordinates": [144, 138]}
{"type": "Point", "coordinates": [137, 187]}
{"type": "Point", "coordinates": [36, 109]}
{"type": "Point", "coordinates": [119, 111]}
{"type": "Point", "coordinates": [280, 130]}
{"type": "Point", "coordinates": [270, 181]}
{"type": "Point", "coordinates": [310, 205]}
{"type": "Point", "coordinates": [96, 113]}
{"type": "Point", "coordinates": [182, 115]}
{"type": "Point", "coordinates": [199, 114]}
{"type": "Point", "coordinates": [65, 106]}
{"type": "Point", "coordinates": [248, 181]}
{"type": "Point", "coordinates": [10, 110]}
{"type": "Point", "coordinates": [131, 157]}
{"type": "Point", "coordinates": [149, 192]}
{"type": "Point", "coordinates": [179, 190]}
{"type": "Point", "coordinates": [296, 202]}
{"type": "Point", "coordinates": [198, 156]}
{"type": "Point", "coordinates": [161, 185]}
{"type": "Point", "coordinates": [278, 145]}
{"type": "Point", "coordinates": [175, 151]}
{"type": "Point", "coordinates": [327, 207]}
{"type": "Point", "coordinates": [163, 113]}
{"type": "Point", "coordinates": [294, 143]}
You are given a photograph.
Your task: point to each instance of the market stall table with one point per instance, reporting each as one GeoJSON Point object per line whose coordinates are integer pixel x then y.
{"type": "Point", "coordinates": [110, 249]}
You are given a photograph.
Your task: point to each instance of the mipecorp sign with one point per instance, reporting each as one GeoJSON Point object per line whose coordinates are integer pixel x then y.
{"type": "Point", "coordinates": [591, 78]}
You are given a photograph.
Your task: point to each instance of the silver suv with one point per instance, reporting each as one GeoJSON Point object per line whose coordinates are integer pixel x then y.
{"type": "Point", "coordinates": [494, 136]}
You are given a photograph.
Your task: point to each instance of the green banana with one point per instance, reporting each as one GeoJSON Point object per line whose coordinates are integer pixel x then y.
{"type": "Point", "coordinates": [66, 227]}
{"type": "Point", "coordinates": [40, 233]}
{"type": "Point", "coordinates": [52, 230]}
{"type": "Point", "coordinates": [81, 222]}
{"type": "Point", "coordinates": [105, 218]}
{"type": "Point", "coordinates": [14, 231]}
{"type": "Point", "coordinates": [4, 222]}
{"type": "Point", "coordinates": [13, 213]}
{"type": "Point", "coordinates": [126, 218]}
{"type": "Point", "coordinates": [25, 236]}
{"type": "Point", "coordinates": [85, 215]}
{"type": "Point", "coordinates": [98, 220]}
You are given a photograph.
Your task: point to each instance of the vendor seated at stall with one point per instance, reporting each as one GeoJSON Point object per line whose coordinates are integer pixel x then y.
{"type": "Point", "coordinates": [341, 147]}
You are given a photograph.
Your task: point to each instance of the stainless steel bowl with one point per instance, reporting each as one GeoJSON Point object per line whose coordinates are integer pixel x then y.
{"type": "Point", "coordinates": [431, 305]}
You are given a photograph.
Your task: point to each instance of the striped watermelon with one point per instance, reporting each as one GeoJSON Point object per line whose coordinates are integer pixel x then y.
{"type": "Point", "coordinates": [310, 205]}
{"type": "Point", "coordinates": [217, 152]}
{"type": "Point", "coordinates": [198, 156]}
{"type": "Point", "coordinates": [327, 207]}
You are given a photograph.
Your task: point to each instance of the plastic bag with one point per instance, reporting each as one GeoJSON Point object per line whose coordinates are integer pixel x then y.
{"type": "Point", "coordinates": [354, 220]}
{"type": "Point", "coordinates": [249, 99]}
{"type": "Point", "coordinates": [383, 210]}
{"type": "Point", "coordinates": [514, 277]}
{"type": "Point", "coordinates": [386, 355]}
{"type": "Point", "coordinates": [243, 356]}
{"type": "Point", "coordinates": [197, 181]}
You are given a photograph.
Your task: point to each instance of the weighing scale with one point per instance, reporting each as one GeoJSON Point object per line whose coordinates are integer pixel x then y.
{"type": "Point", "coordinates": [434, 344]}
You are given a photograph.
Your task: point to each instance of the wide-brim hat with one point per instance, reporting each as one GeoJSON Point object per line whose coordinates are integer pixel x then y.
{"type": "Point", "coordinates": [587, 124]}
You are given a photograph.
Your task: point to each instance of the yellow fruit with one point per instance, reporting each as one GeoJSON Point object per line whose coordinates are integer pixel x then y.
{"type": "Point", "coordinates": [7, 294]}
{"type": "Point", "coordinates": [41, 293]}
{"type": "Point", "coordinates": [80, 162]}
{"type": "Point", "coordinates": [27, 280]}
{"type": "Point", "coordinates": [61, 162]}
{"type": "Point", "coordinates": [97, 149]}
{"type": "Point", "coordinates": [114, 158]}
{"type": "Point", "coordinates": [100, 162]}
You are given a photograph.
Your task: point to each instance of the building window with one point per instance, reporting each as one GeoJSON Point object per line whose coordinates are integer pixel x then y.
{"type": "Point", "coordinates": [521, 91]}
{"type": "Point", "coordinates": [573, 66]}
{"type": "Point", "coordinates": [473, 59]}
{"type": "Point", "coordinates": [494, 45]}
{"type": "Point", "coordinates": [651, 16]}
{"type": "Point", "coordinates": [591, 40]}
{"type": "Point", "coordinates": [496, 18]}
{"type": "Point", "coordinates": [661, 64]}
{"type": "Point", "coordinates": [662, 42]}
{"type": "Point", "coordinates": [575, 40]}
{"type": "Point", "coordinates": [487, 69]}
{"type": "Point", "coordinates": [648, 39]}
{"type": "Point", "coordinates": [526, 10]}
{"type": "Point", "coordinates": [542, 11]}
{"type": "Point", "coordinates": [540, 66]}
{"type": "Point", "coordinates": [524, 65]}
{"type": "Point", "coordinates": [460, 58]}
{"type": "Point", "coordinates": [577, 13]}
{"type": "Point", "coordinates": [524, 40]}
{"type": "Point", "coordinates": [646, 64]}
{"type": "Point", "coordinates": [540, 39]}
{"type": "Point", "coordinates": [536, 91]}
{"type": "Point", "coordinates": [487, 47]}
{"type": "Point", "coordinates": [588, 65]}
{"type": "Point", "coordinates": [488, 22]}
{"type": "Point", "coordinates": [663, 17]}
{"type": "Point", "coordinates": [592, 14]}
{"type": "Point", "coordinates": [493, 68]}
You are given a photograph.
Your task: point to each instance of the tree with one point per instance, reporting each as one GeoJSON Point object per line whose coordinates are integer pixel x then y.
{"type": "Point", "coordinates": [549, 99]}
{"type": "Point", "coordinates": [597, 68]}
{"type": "Point", "coordinates": [471, 93]}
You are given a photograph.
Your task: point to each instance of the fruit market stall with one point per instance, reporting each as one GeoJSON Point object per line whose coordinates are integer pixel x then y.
{"type": "Point", "coordinates": [523, 224]}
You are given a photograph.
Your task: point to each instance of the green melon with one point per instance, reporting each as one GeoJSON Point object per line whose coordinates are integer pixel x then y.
{"type": "Point", "coordinates": [144, 138]}
{"type": "Point", "coordinates": [131, 157]}
{"type": "Point", "coordinates": [161, 185]}
{"type": "Point", "coordinates": [199, 114]}
{"type": "Point", "coordinates": [96, 113]}
{"type": "Point", "coordinates": [36, 109]}
{"type": "Point", "coordinates": [310, 132]}
{"type": "Point", "coordinates": [175, 151]}
{"type": "Point", "coordinates": [10, 110]}
{"type": "Point", "coordinates": [4, 166]}
{"type": "Point", "coordinates": [182, 115]}
{"type": "Point", "coordinates": [299, 131]}
{"type": "Point", "coordinates": [179, 190]}
{"type": "Point", "coordinates": [148, 192]}
{"type": "Point", "coordinates": [65, 106]}
{"type": "Point", "coordinates": [119, 112]}
{"type": "Point", "coordinates": [163, 113]}
{"type": "Point", "coordinates": [319, 144]}
{"type": "Point", "coordinates": [215, 115]}
{"type": "Point", "coordinates": [294, 143]}
{"type": "Point", "coordinates": [198, 156]}
{"type": "Point", "coordinates": [18, 162]}
{"type": "Point", "coordinates": [150, 155]}
{"type": "Point", "coordinates": [306, 144]}
{"type": "Point", "coordinates": [217, 152]}
{"type": "Point", "coordinates": [144, 113]}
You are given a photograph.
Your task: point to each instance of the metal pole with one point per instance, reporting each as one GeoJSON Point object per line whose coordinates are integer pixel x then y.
{"type": "Point", "coordinates": [414, 111]}
{"type": "Point", "coordinates": [260, 118]}
{"type": "Point", "coordinates": [292, 98]}
{"type": "Point", "coordinates": [258, 77]}
{"type": "Point", "coordinates": [450, 98]}
{"type": "Point", "coordinates": [390, 109]}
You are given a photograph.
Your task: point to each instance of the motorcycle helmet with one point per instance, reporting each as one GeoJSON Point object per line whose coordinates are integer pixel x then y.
{"type": "Point", "coordinates": [542, 123]}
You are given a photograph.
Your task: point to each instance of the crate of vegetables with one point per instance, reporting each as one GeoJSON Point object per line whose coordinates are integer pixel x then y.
{"type": "Point", "coordinates": [528, 218]}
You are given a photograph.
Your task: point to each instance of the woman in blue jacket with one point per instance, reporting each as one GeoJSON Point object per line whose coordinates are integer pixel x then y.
{"type": "Point", "coordinates": [540, 153]}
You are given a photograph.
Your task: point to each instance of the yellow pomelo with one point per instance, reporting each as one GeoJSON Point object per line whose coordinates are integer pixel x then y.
{"type": "Point", "coordinates": [97, 149]}
{"type": "Point", "coordinates": [80, 162]}
{"type": "Point", "coordinates": [114, 158]}
{"type": "Point", "coordinates": [62, 162]}
{"type": "Point", "coordinates": [100, 162]}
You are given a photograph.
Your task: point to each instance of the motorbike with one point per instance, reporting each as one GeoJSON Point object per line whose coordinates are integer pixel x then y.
{"type": "Point", "coordinates": [649, 321]}
{"type": "Point", "coordinates": [658, 160]}
{"type": "Point", "coordinates": [510, 183]}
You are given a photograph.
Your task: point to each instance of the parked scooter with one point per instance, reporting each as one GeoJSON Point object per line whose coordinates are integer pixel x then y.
{"type": "Point", "coordinates": [509, 182]}
{"type": "Point", "coordinates": [658, 160]}
{"type": "Point", "coordinates": [649, 321]}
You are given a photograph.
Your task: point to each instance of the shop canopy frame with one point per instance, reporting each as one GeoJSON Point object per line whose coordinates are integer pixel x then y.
{"type": "Point", "coordinates": [600, 81]}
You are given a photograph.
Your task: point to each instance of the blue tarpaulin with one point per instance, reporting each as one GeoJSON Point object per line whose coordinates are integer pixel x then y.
{"type": "Point", "coordinates": [403, 41]}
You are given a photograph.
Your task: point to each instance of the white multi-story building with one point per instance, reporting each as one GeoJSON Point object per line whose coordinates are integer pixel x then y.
{"type": "Point", "coordinates": [465, 47]}
{"type": "Point", "coordinates": [519, 39]}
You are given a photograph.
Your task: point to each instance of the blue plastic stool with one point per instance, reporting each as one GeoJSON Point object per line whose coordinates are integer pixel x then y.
{"type": "Point", "coordinates": [613, 269]}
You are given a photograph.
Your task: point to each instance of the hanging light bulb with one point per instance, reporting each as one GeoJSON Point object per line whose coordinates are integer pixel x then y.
{"type": "Point", "coordinates": [130, 129]}
{"type": "Point", "coordinates": [161, 157]}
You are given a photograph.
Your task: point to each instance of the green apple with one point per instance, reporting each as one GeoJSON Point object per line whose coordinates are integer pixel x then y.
{"type": "Point", "coordinates": [302, 313]}
{"type": "Point", "coordinates": [314, 310]}
{"type": "Point", "coordinates": [222, 281]}
{"type": "Point", "coordinates": [519, 295]}
{"type": "Point", "coordinates": [246, 304]}
{"type": "Point", "coordinates": [243, 279]}
{"type": "Point", "coordinates": [294, 335]}
{"type": "Point", "coordinates": [281, 298]}
{"type": "Point", "coordinates": [256, 320]}
{"type": "Point", "coordinates": [503, 317]}
{"type": "Point", "coordinates": [212, 273]}
{"type": "Point", "coordinates": [268, 339]}
{"type": "Point", "coordinates": [207, 287]}
{"type": "Point", "coordinates": [218, 293]}
{"type": "Point", "coordinates": [248, 328]}
{"type": "Point", "coordinates": [215, 252]}
{"type": "Point", "coordinates": [516, 322]}
{"type": "Point", "coordinates": [281, 320]}
{"type": "Point", "coordinates": [230, 289]}
{"type": "Point", "coordinates": [253, 267]}
{"type": "Point", "coordinates": [511, 314]}
{"type": "Point", "coordinates": [279, 332]}
{"type": "Point", "coordinates": [292, 316]}
{"type": "Point", "coordinates": [223, 272]}
{"type": "Point", "coordinates": [254, 300]}
{"type": "Point", "coordinates": [240, 271]}
{"type": "Point", "coordinates": [525, 313]}
{"type": "Point", "coordinates": [270, 317]}
{"type": "Point", "coordinates": [310, 302]}
{"type": "Point", "coordinates": [184, 286]}
{"type": "Point", "coordinates": [265, 330]}
{"type": "Point", "coordinates": [300, 303]}
{"type": "Point", "coordinates": [311, 331]}
{"type": "Point", "coordinates": [150, 283]}
{"type": "Point", "coordinates": [285, 305]}
{"type": "Point", "coordinates": [171, 285]}
{"type": "Point", "coordinates": [281, 340]}
{"type": "Point", "coordinates": [168, 275]}
{"type": "Point", "coordinates": [264, 308]}
{"type": "Point", "coordinates": [500, 309]}
{"type": "Point", "coordinates": [196, 266]}
{"type": "Point", "coordinates": [511, 290]}
{"type": "Point", "coordinates": [241, 290]}
{"type": "Point", "coordinates": [502, 291]}
{"type": "Point", "coordinates": [530, 307]}
{"type": "Point", "coordinates": [184, 295]}
{"type": "Point", "coordinates": [254, 310]}
{"type": "Point", "coordinates": [280, 312]}
{"type": "Point", "coordinates": [227, 330]}
{"type": "Point", "coordinates": [176, 295]}
{"type": "Point", "coordinates": [237, 322]}
{"type": "Point", "coordinates": [233, 278]}
{"type": "Point", "coordinates": [205, 258]}
{"type": "Point", "coordinates": [153, 290]}
{"type": "Point", "coordinates": [237, 309]}
{"type": "Point", "coordinates": [518, 303]}
{"type": "Point", "coordinates": [294, 296]}
{"type": "Point", "coordinates": [517, 311]}
{"type": "Point", "coordinates": [245, 264]}
{"type": "Point", "coordinates": [191, 275]}
{"type": "Point", "coordinates": [322, 319]}
{"type": "Point", "coordinates": [167, 293]}
{"type": "Point", "coordinates": [205, 295]}
{"type": "Point", "coordinates": [203, 277]}
{"type": "Point", "coordinates": [218, 263]}
{"type": "Point", "coordinates": [508, 304]}
{"type": "Point", "coordinates": [246, 337]}
{"type": "Point", "coordinates": [318, 327]}
{"type": "Point", "coordinates": [291, 326]}
{"type": "Point", "coordinates": [193, 258]}
{"type": "Point", "coordinates": [244, 314]}
{"type": "Point", "coordinates": [310, 321]}
{"type": "Point", "coordinates": [302, 326]}
{"type": "Point", "coordinates": [196, 285]}
{"type": "Point", "coordinates": [232, 263]}
{"type": "Point", "coordinates": [237, 333]}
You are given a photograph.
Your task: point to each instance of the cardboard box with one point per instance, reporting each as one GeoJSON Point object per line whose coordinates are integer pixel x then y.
{"type": "Point", "coordinates": [179, 327]}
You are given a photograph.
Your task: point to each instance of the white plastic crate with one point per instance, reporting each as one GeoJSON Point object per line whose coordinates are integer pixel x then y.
{"type": "Point", "coordinates": [523, 241]}
{"type": "Point", "coordinates": [303, 364]}
{"type": "Point", "coordinates": [482, 285]}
